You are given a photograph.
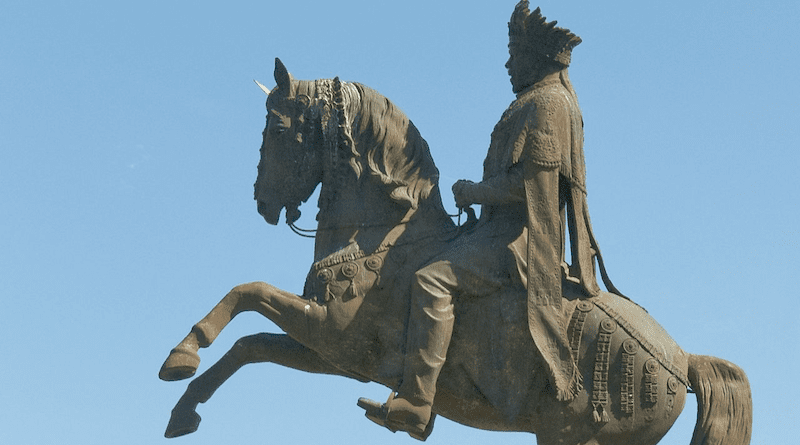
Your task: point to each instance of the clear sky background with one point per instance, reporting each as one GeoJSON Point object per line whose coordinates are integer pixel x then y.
{"type": "Point", "coordinates": [129, 136]}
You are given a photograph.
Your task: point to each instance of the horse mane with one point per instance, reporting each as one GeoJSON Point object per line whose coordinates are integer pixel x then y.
{"type": "Point", "coordinates": [388, 145]}
{"type": "Point", "coordinates": [365, 130]}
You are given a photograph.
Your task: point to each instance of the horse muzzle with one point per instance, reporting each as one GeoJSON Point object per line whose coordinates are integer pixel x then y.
{"type": "Point", "coordinates": [271, 211]}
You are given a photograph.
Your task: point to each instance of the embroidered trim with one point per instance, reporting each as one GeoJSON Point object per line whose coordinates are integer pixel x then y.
{"type": "Point", "coordinates": [546, 164]}
{"type": "Point", "coordinates": [629, 348]}
{"type": "Point", "coordinates": [578, 320]}
{"type": "Point", "coordinates": [335, 259]}
{"type": "Point", "coordinates": [600, 380]}
{"type": "Point", "coordinates": [651, 368]}
{"type": "Point", "coordinates": [652, 350]}
{"type": "Point", "coordinates": [672, 389]}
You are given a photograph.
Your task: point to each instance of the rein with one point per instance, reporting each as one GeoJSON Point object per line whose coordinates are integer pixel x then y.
{"type": "Point", "coordinates": [305, 233]}
{"type": "Point", "coordinates": [311, 233]}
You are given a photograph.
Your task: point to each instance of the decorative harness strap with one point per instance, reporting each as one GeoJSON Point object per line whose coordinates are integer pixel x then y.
{"type": "Point", "coordinates": [652, 350]}
{"type": "Point", "coordinates": [349, 264]}
{"type": "Point", "coordinates": [630, 346]}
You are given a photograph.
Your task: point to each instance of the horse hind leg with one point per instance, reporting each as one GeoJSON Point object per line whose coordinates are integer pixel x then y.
{"type": "Point", "coordinates": [287, 310]}
{"type": "Point", "coordinates": [275, 348]}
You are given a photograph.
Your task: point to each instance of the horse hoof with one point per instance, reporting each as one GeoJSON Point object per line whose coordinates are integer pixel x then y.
{"type": "Point", "coordinates": [181, 423]}
{"type": "Point", "coordinates": [181, 364]}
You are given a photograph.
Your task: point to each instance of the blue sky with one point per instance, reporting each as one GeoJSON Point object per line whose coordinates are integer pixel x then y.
{"type": "Point", "coordinates": [129, 138]}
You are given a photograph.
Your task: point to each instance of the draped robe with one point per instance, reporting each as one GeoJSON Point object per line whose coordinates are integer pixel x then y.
{"type": "Point", "coordinates": [534, 174]}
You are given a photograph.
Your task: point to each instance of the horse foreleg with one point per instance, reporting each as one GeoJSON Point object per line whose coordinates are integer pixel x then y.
{"type": "Point", "coordinates": [275, 348]}
{"type": "Point", "coordinates": [287, 310]}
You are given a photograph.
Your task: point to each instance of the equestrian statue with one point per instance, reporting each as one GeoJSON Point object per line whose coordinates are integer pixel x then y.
{"type": "Point", "coordinates": [486, 324]}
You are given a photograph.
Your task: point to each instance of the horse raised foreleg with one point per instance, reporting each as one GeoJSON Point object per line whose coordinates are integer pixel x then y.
{"type": "Point", "coordinates": [259, 348]}
{"type": "Point", "coordinates": [290, 312]}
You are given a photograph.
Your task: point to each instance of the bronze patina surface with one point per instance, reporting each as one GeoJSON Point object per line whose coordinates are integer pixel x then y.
{"type": "Point", "coordinates": [487, 324]}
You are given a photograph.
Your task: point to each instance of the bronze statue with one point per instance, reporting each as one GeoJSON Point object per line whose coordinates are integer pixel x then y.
{"type": "Point", "coordinates": [531, 343]}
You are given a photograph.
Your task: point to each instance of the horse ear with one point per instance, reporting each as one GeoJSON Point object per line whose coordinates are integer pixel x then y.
{"type": "Point", "coordinates": [282, 77]}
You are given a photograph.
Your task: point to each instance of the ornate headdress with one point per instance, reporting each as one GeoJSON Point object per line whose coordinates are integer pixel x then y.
{"type": "Point", "coordinates": [536, 36]}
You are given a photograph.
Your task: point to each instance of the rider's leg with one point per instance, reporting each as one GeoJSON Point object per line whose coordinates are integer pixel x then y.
{"type": "Point", "coordinates": [429, 331]}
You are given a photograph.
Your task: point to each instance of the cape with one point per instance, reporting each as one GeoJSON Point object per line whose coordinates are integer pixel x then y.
{"type": "Point", "coordinates": [544, 133]}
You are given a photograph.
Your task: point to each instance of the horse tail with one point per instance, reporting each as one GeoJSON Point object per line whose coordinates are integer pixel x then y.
{"type": "Point", "coordinates": [724, 402]}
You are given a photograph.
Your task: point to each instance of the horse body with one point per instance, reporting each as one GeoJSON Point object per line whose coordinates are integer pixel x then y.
{"type": "Point", "coordinates": [380, 220]}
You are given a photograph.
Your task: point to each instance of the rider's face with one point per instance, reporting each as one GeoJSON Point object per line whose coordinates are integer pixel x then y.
{"type": "Point", "coordinates": [519, 68]}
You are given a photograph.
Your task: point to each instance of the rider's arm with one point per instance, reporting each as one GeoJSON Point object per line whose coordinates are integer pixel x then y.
{"type": "Point", "coordinates": [497, 190]}
{"type": "Point", "coordinates": [501, 189]}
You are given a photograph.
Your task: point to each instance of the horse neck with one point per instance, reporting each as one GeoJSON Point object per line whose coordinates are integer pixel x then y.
{"type": "Point", "coordinates": [363, 216]}
{"type": "Point", "coordinates": [353, 214]}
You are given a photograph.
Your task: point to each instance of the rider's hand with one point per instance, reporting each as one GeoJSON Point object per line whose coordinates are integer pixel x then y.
{"type": "Point", "coordinates": [462, 192]}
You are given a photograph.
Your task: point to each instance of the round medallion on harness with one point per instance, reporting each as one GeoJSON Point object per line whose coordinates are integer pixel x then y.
{"type": "Point", "coordinates": [608, 326]}
{"type": "Point", "coordinates": [673, 384]}
{"type": "Point", "coordinates": [374, 263]}
{"type": "Point", "coordinates": [630, 346]}
{"type": "Point", "coordinates": [325, 275]}
{"type": "Point", "coordinates": [349, 269]}
{"type": "Point", "coordinates": [651, 366]}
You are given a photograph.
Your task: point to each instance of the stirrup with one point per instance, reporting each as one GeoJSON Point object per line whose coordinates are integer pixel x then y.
{"type": "Point", "coordinates": [379, 413]}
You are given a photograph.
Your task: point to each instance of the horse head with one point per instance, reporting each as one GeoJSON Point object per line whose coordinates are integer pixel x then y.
{"type": "Point", "coordinates": [290, 167]}
{"type": "Point", "coordinates": [373, 164]}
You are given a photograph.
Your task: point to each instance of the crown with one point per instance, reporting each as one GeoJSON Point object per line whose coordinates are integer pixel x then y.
{"type": "Point", "coordinates": [536, 36]}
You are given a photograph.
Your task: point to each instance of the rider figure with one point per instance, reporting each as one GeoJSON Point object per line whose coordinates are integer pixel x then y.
{"type": "Point", "coordinates": [533, 183]}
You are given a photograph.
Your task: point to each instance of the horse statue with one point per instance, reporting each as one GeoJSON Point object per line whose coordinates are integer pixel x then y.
{"type": "Point", "coordinates": [381, 219]}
